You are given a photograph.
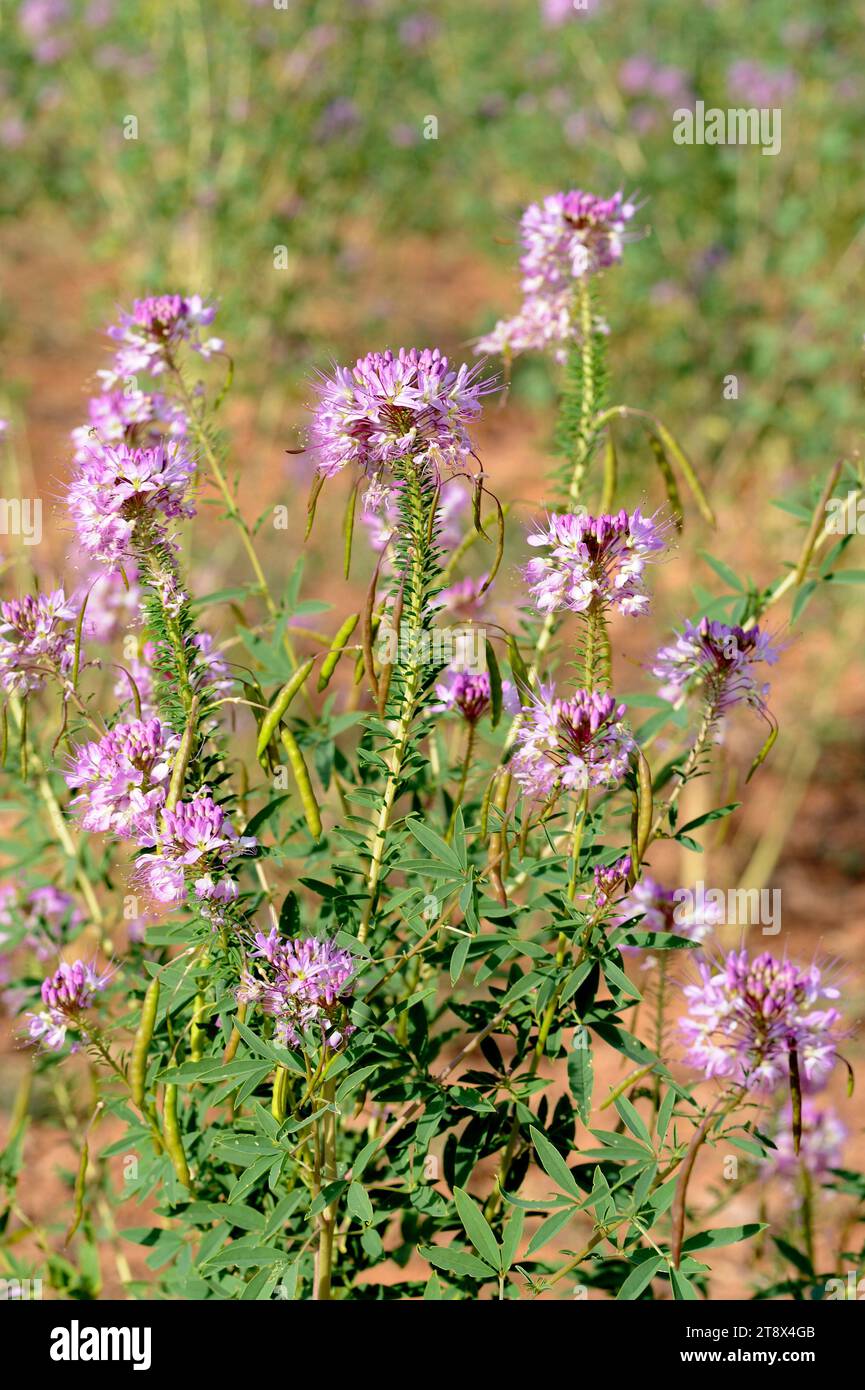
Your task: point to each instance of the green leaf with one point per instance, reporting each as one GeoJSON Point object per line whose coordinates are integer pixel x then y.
{"type": "Point", "coordinates": [625, 1042]}
{"type": "Point", "coordinates": [264, 815]}
{"type": "Point", "coordinates": [683, 1289]}
{"type": "Point", "coordinates": [633, 1119]}
{"type": "Point", "coordinates": [724, 572]}
{"type": "Point", "coordinates": [581, 1076]}
{"type": "Point", "coordinates": [456, 1261]}
{"type": "Point", "coordinates": [717, 814]}
{"type": "Point", "coordinates": [495, 676]}
{"type": "Point", "coordinates": [723, 1235]}
{"type": "Point", "coordinates": [554, 1165]}
{"type": "Point", "coordinates": [641, 1275]}
{"type": "Point", "coordinates": [437, 847]}
{"type": "Point", "coordinates": [549, 1228]}
{"type": "Point", "coordinates": [511, 1238]}
{"type": "Point", "coordinates": [847, 577]}
{"type": "Point", "coordinates": [665, 1112]}
{"type": "Point", "coordinates": [359, 1204]}
{"type": "Point", "coordinates": [797, 1258]}
{"type": "Point", "coordinates": [477, 1229]}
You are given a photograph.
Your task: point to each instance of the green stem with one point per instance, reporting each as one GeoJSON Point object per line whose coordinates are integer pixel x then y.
{"type": "Point", "coordinates": [415, 615]}
{"type": "Point", "coordinates": [327, 1219]}
{"type": "Point", "coordinates": [464, 777]}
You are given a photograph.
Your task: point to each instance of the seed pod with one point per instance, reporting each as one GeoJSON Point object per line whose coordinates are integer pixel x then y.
{"type": "Point", "coordinates": [645, 808]}
{"type": "Point", "coordinates": [141, 1044]}
{"type": "Point", "coordinates": [348, 531]}
{"type": "Point", "coordinates": [78, 1195]}
{"type": "Point", "coordinates": [270, 722]}
{"type": "Point", "coordinates": [330, 662]}
{"type": "Point", "coordinates": [197, 1035]}
{"type": "Point", "coordinates": [173, 1141]}
{"type": "Point", "coordinates": [611, 472]}
{"type": "Point", "coordinates": [280, 1094]}
{"type": "Point", "coordinates": [304, 785]}
{"type": "Point", "coordinates": [184, 754]}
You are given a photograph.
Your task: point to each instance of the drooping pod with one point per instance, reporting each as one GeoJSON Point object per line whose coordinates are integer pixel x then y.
{"type": "Point", "coordinates": [271, 720]}
{"type": "Point", "coordinates": [303, 783]}
{"type": "Point", "coordinates": [329, 665]}
{"type": "Point", "coordinates": [141, 1043]}
{"type": "Point", "coordinates": [173, 1140]}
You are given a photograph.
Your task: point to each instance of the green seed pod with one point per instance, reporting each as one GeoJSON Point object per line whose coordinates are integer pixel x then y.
{"type": "Point", "coordinates": [645, 807]}
{"type": "Point", "coordinates": [173, 1141]}
{"type": "Point", "coordinates": [270, 722]}
{"type": "Point", "coordinates": [78, 1196]}
{"type": "Point", "coordinates": [280, 1094]}
{"type": "Point", "coordinates": [330, 662]}
{"type": "Point", "coordinates": [304, 785]}
{"type": "Point", "coordinates": [184, 754]}
{"type": "Point", "coordinates": [197, 1035]}
{"type": "Point", "coordinates": [141, 1044]}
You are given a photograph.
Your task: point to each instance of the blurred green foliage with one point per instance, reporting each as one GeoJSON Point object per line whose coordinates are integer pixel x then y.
{"type": "Point", "coordinates": [281, 162]}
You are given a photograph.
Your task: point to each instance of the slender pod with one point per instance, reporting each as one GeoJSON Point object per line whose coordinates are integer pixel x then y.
{"type": "Point", "coordinates": [271, 720]}
{"type": "Point", "coordinates": [141, 1044]}
{"type": "Point", "coordinates": [337, 647]}
{"type": "Point", "coordinates": [644, 810]}
{"type": "Point", "coordinates": [348, 531]}
{"type": "Point", "coordinates": [197, 1034]}
{"type": "Point", "coordinates": [184, 756]}
{"type": "Point", "coordinates": [173, 1141]}
{"type": "Point", "coordinates": [304, 784]}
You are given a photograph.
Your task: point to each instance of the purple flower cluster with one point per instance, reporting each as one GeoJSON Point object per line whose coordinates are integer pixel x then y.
{"type": "Point", "coordinates": [65, 994]}
{"type": "Point", "coordinates": [36, 640]}
{"type": "Point", "coordinates": [576, 743]}
{"type": "Point", "coordinates": [305, 984]}
{"type": "Point", "coordinates": [388, 407]}
{"type": "Point", "coordinates": [122, 779]}
{"type": "Point", "coordinates": [593, 560]}
{"type": "Point", "coordinates": [641, 76]}
{"type": "Point", "coordinates": [118, 416]}
{"type": "Point", "coordinates": [467, 692]}
{"type": "Point", "coordinates": [195, 845]}
{"type": "Point", "coordinates": [746, 1018]}
{"type": "Point", "coordinates": [46, 914]}
{"type": "Point", "coordinates": [662, 910]}
{"type": "Point", "coordinates": [120, 498]}
{"type": "Point", "coordinates": [565, 238]}
{"type": "Point", "coordinates": [466, 599]}
{"type": "Point", "coordinates": [151, 334]}
{"type": "Point", "coordinates": [719, 660]}
{"type": "Point", "coordinates": [759, 85]}
{"type": "Point", "coordinates": [821, 1147]}
{"type": "Point", "coordinates": [609, 877]}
